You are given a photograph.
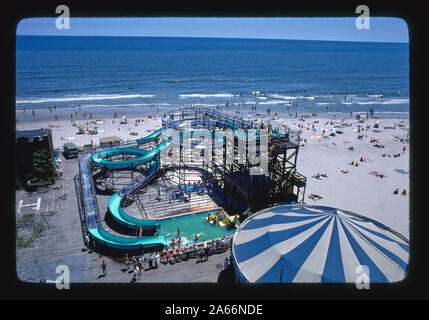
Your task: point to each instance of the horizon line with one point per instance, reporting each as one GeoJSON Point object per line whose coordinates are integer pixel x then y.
{"type": "Point", "coordinates": [208, 37]}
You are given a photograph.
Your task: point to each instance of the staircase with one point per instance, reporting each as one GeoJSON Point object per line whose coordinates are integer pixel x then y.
{"type": "Point", "coordinates": [161, 207]}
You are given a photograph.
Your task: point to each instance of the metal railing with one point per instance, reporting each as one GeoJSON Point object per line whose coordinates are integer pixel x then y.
{"type": "Point", "coordinates": [80, 205]}
{"type": "Point", "coordinates": [204, 111]}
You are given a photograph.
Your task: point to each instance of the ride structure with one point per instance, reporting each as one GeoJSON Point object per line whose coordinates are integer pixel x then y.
{"type": "Point", "coordinates": [189, 139]}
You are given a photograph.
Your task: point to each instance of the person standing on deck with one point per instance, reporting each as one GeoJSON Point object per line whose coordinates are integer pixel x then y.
{"type": "Point", "coordinates": [206, 252]}
{"type": "Point", "coordinates": [127, 261]}
{"type": "Point", "coordinates": [225, 263]}
{"type": "Point", "coordinates": [157, 260]}
{"type": "Point", "coordinates": [87, 240]}
{"type": "Point", "coordinates": [103, 267]}
{"type": "Point", "coordinates": [137, 272]}
{"type": "Point", "coordinates": [150, 260]}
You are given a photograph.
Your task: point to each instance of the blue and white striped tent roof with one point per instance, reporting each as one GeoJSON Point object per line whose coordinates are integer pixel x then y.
{"type": "Point", "coordinates": [317, 244]}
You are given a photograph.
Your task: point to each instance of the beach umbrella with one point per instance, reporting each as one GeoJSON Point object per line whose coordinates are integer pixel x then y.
{"type": "Point", "coordinates": [303, 243]}
{"type": "Point", "coordinates": [401, 171]}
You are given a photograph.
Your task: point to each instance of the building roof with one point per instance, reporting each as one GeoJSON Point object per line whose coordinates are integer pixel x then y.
{"type": "Point", "coordinates": [113, 139]}
{"type": "Point", "coordinates": [70, 145]}
{"type": "Point", "coordinates": [317, 244]}
{"type": "Point", "coordinates": [31, 134]}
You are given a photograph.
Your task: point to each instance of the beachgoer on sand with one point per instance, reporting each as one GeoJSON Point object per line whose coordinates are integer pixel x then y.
{"type": "Point", "coordinates": [317, 176]}
{"type": "Point", "coordinates": [354, 163]}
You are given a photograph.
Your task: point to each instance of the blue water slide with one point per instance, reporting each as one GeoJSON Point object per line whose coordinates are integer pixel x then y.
{"type": "Point", "coordinates": [113, 241]}
{"type": "Point", "coordinates": [100, 158]}
{"type": "Point", "coordinates": [142, 180]}
{"type": "Point", "coordinates": [124, 219]}
{"type": "Point", "coordinates": [140, 156]}
{"type": "Point", "coordinates": [275, 134]}
{"type": "Point", "coordinates": [229, 125]}
{"type": "Point", "coordinates": [92, 216]}
{"type": "Point", "coordinates": [153, 136]}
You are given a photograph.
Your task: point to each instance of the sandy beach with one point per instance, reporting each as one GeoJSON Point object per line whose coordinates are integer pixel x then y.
{"type": "Point", "coordinates": [358, 191]}
{"type": "Point", "coordinates": [65, 128]}
{"type": "Point", "coordinates": [382, 149]}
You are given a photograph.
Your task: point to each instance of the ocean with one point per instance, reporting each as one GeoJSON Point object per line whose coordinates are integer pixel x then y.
{"type": "Point", "coordinates": [142, 74]}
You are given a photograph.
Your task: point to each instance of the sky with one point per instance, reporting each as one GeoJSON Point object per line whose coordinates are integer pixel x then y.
{"type": "Point", "coordinates": [333, 29]}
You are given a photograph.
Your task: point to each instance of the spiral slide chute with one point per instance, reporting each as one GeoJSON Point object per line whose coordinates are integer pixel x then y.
{"type": "Point", "coordinates": [140, 157]}
{"type": "Point", "coordinates": [123, 243]}
{"type": "Point", "coordinates": [153, 136]}
{"type": "Point", "coordinates": [141, 181]}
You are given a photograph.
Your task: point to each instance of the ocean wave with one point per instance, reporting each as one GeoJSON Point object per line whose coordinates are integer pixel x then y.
{"type": "Point", "coordinates": [125, 105]}
{"type": "Point", "coordinates": [396, 101]}
{"type": "Point", "coordinates": [279, 96]}
{"type": "Point", "coordinates": [179, 80]}
{"type": "Point", "coordinates": [85, 98]}
{"type": "Point", "coordinates": [393, 101]}
{"type": "Point", "coordinates": [274, 102]}
{"type": "Point", "coordinates": [367, 102]}
{"type": "Point", "coordinates": [324, 96]}
{"type": "Point", "coordinates": [196, 80]}
{"type": "Point", "coordinates": [214, 95]}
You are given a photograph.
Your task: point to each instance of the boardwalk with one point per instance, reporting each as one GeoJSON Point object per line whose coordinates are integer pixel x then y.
{"type": "Point", "coordinates": [189, 271]}
{"type": "Point", "coordinates": [62, 244]}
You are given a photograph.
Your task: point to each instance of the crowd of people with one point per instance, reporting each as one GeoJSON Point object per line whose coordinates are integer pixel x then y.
{"type": "Point", "coordinates": [200, 252]}
{"type": "Point", "coordinates": [184, 192]}
{"type": "Point", "coordinates": [139, 263]}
